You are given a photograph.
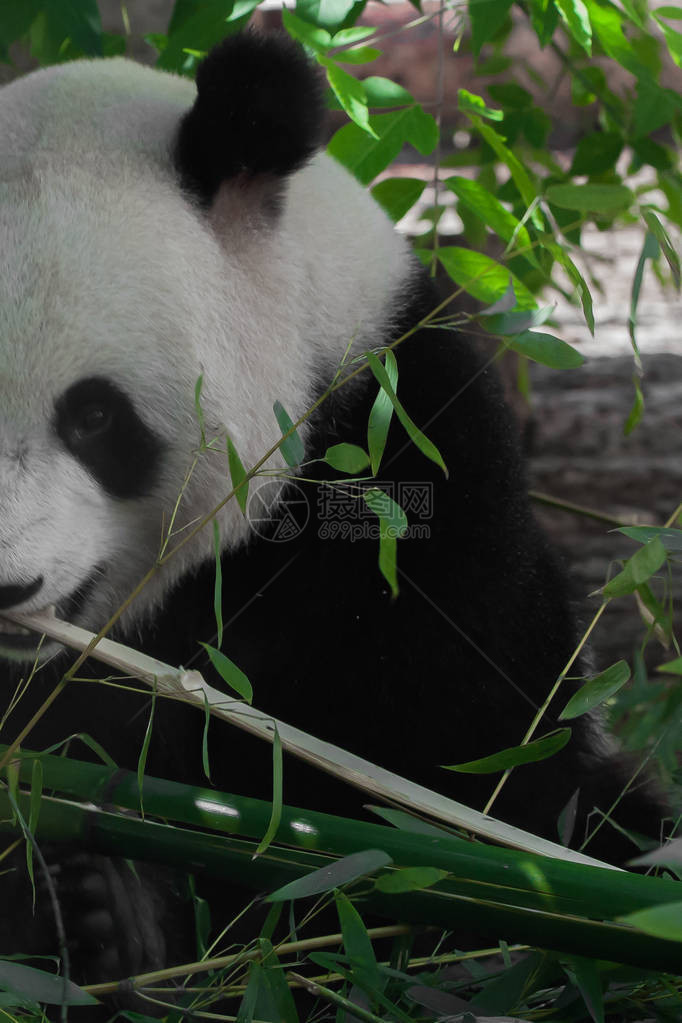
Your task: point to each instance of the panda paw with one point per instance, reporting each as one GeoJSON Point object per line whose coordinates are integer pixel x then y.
{"type": "Point", "coordinates": [111, 917]}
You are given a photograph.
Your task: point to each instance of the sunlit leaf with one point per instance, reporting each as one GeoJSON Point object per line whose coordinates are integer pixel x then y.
{"type": "Point", "coordinates": [547, 349]}
{"type": "Point", "coordinates": [350, 93]}
{"type": "Point", "coordinates": [483, 277]}
{"type": "Point", "coordinates": [470, 103]}
{"type": "Point", "coordinates": [576, 18]}
{"type": "Point", "coordinates": [491, 211]}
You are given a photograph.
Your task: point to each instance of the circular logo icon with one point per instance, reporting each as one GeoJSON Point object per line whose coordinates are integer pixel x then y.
{"type": "Point", "coordinates": [278, 511]}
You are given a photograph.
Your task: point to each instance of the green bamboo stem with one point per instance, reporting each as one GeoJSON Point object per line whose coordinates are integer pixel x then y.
{"type": "Point", "coordinates": [529, 898]}
{"type": "Point", "coordinates": [542, 882]}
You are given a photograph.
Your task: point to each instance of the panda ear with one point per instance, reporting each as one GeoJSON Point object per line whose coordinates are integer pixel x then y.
{"type": "Point", "coordinates": [258, 111]}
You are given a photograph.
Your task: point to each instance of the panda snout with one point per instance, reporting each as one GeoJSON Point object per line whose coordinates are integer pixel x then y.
{"type": "Point", "coordinates": [13, 594]}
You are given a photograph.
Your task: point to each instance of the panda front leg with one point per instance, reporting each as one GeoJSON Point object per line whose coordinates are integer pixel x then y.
{"type": "Point", "coordinates": [110, 919]}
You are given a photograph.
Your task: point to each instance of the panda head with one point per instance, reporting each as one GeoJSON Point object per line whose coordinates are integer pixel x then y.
{"type": "Point", "coordinates": [152, 233]}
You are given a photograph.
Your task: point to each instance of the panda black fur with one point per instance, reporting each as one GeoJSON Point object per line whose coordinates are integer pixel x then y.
{"type": "Point", "coordinates": [147, 238]}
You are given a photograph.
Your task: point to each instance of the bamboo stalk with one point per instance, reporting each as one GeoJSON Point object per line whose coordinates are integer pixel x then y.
{"type": "Point", "coordinates": [479, 870]}
{"type": "Point", "coordinates": [190, 687]}
{"type": "Point", "coordinates": [441, 906]}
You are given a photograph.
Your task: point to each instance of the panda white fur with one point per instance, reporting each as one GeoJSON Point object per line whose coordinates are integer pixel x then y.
{"type": "Point", "coordinates": [147, 237]}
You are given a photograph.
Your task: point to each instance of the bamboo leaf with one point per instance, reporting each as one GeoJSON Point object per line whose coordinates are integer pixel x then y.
{"type": "Point", "coordinates": [39, 986]}
{"type": "Point", "coordinates": [392, 524]}
{"type": "Point", "coordinates": [660, 921]}
{"type": "Point", "coordinates": [546, 349]}
{"type": "Point", "coordinates": [276, 815]}
{"type": "Point", "coordinates": [388, 510]}
{"type": "Point", "coordinates": [341, 872]}
{"type": "Point", "coordinates": [229, 672]}
{"type": "Point", "coordinates": [366, 156]}
{"type": "Point", "coordinates": [520, 176]}
{"type": "Point", "coordinates": [590, 198]}
{"type": "Point", "coordinates": [388, 558]}
{"type": "Point", "coordinates": [34, 813]}
{"type": "Point", "coordinates": [277, 982]}
{"type": "Point", "coordinates": [254, 992]}
{"type": "Point", "coordinates": [586, 975]}
{"type": "Point", "coordinates": [398, 195]}
{"type": "Point", "coordinates": [576, 17]}
{"type": "Point", "coordinates": [650, 250]}
{"type": "Point", "coordinates": [669, 537]}
{"type": "Point", "coordinates": [350, 93]}
{"type": "Point", "coordinates": [240, 483]}
{"type": "Point", "coordinates": [486, 20]}
{"type": "Point", "coordinates": [470, 103]}
{"type": "Point", "coordinates": [382, 92]}
{"type": "Point", "coordinates": [218, 586]}
{"type": "Point", "coordinates": [483, 277]}
{"type": "Point", "coordinates": [413, 431]}
{"type": "Point", "coordinates": [596, 690]}
{"type": "Point", "coordinates": [491, 211]}
{"type": "Point", "coordinates": [292, 446]}
{"type": "Point", "coordinates": [663, 239]}
{"type": "Point", "coordinates": [409, 879]}
{"type": "Point", "coordinates": [347, 458]}
{"type": "Point", "coordinates": [142, 759]}
{"type": "Point", "coordinates": [380, 415]}
{"type": "Point", "coordinates": [358, 946]}
{"type": "Point", "coordinates": [204, 739]}
{"type": "Point", "coordinates": [515, 323]}
{"type": "Point", "coordinates": [596, 153]}
{"type": "Point", "coordinates": [318, 39]}
{"type": "Point", "coordinates": [671, 667]}
{"type": "Point", "coordinates": [567, 818]}
{"type": "Point", "coordinates": [529, 753]}
{"type": "Point", "coordinates": [640, 567]}
{"type": "Point", "coordinates": [637, 411]}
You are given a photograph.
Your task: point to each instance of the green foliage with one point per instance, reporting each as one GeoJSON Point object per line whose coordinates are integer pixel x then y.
{"type": "Point", "coordinates": [596, 690]}
{"type": "Point", "coordinates": [529, 753]}
{"type": "Point", "coordinates": [229, 672]}
{"type": "Point", "coordinates": [523, 213]}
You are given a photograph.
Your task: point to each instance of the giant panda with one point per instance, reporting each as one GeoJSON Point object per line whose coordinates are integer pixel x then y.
{"type": "Point", "coordinates": [154, 234]}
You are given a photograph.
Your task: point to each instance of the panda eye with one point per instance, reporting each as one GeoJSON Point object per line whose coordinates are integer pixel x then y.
{"type": "Point", "coordinates": [97, 423]}
{"type": "Point", "coordinates": [91, 420]}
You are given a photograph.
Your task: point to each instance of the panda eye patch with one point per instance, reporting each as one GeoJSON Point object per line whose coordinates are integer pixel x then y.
{"type": "Point", "coordinates": [97, 423]}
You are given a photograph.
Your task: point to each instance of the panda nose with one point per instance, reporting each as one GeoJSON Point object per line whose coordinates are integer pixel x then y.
{"type": "Point", "coordinates": [16, 593]}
